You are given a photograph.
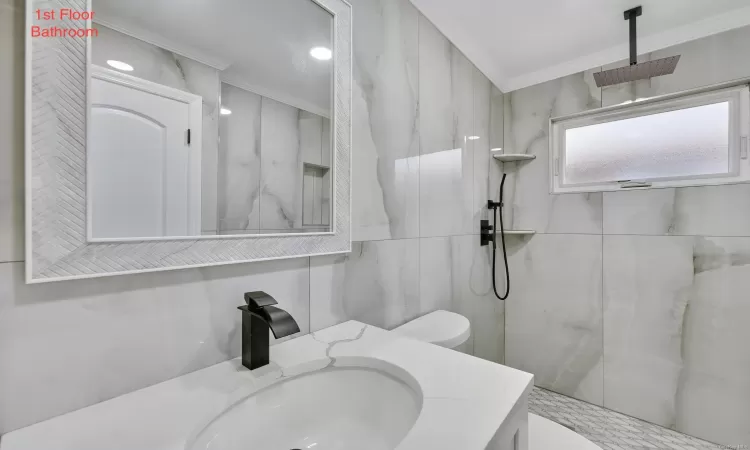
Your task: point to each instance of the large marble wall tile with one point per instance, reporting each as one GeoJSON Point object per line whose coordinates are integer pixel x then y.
{"type": "Point", "coordinates": [483, 162]}
{"type": "Point", "coordinates": [553, 325]}
{"type": "Point", "coordinates": [239, 161]}
{"type": "Point", "coordinates": [647, 281]}
{"type": "Point", "coordinates": [446, 164]}
{"type": "Point", "coordinates": [705, 210]}
{"type": "Point", "coordinates": [377, 283]}
{"type": "Point", "coordinates": [67, 345]}
{"type": "Point", "coordinates": [714, 393]}
{"type": "Point", "coordinates": [12, 32]}
{"type": "Point", "coordinates": [456, 275]}
{"type": "Point", "coordinates": [385, 138]}
{"type": "Point", "coordinates": [281, 166]}
{"type": "Point", "coordinates": [703, 62]}
{"type": "Point", "coordinates": [497, 138]}
{"type": "Point", "coordinates": [527, 114]}
{"type": "Point", "coordinates": [155, 64]}
{"type": "Point", "coordinates": [675, 333]}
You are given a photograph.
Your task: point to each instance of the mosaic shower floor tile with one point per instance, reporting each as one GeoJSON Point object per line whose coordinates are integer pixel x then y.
{"type": "Point", "coordinates": [608, 429]}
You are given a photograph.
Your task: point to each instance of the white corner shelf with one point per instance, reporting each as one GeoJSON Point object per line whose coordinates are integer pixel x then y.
{"type": "Point", "coordinates": [513, 157]}
{"type": "Point", "coordinates": [519, 232]}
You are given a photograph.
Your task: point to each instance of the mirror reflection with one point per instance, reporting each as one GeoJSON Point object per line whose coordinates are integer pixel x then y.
{"type": "Point", "coordinates": [210, 118]}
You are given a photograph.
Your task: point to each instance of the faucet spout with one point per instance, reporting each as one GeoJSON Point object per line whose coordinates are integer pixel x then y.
{"type": "Point", "coordinates": [258, 316]}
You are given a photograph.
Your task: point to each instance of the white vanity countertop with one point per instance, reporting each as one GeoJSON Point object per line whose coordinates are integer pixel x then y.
{"type": "Point", "coordinates": [465, 399]}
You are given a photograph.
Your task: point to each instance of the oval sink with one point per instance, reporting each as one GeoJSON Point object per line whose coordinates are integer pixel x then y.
{"type": "Point", "coordinates": [333, 409]}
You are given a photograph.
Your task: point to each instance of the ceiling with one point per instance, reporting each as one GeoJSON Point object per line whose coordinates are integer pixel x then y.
{"type": "Point", "coordinates": [259, 45]}
{"type": "Point", "coordinates": [518, 43]}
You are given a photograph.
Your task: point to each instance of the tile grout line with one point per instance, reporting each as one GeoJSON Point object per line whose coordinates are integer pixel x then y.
{"type": "Point", "coordinates": [12, 262]}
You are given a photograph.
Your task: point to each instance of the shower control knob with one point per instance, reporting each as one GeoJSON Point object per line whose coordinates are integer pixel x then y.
{"type": "Point", "coordinates": [486, 234]}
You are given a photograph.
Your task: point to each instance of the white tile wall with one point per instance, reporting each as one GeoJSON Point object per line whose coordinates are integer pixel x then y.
{"type": "Point", "coordinates": [67, 345]}
{"type": "Point", "coordinates": [673, 266]}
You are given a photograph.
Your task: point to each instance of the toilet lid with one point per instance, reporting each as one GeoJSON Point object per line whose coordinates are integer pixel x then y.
{"type": "Point", "coordinates": [442, 328]}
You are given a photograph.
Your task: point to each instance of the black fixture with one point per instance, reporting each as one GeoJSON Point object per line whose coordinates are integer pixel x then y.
{"type": "Point", "coordinates": [635, 71]}
{"type": "Point", "coordinates": [487, 235]}
{"type": "Point", "coordinates": [258, 316]}
{"type": "Point", "coordinates": [630, 16]}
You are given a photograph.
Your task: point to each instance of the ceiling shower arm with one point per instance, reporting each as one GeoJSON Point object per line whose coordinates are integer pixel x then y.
{"type": "Point", "coordinates": [631, 15]}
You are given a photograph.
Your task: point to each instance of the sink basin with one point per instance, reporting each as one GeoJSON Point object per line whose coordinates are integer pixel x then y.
{"type": "Point", "coordinates": [332, 409]}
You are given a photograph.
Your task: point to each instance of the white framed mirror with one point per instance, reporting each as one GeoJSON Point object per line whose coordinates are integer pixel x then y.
{"type": "Point", "coordinates": [162, 135]}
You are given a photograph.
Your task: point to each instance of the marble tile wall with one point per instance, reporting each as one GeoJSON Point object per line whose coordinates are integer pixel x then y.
{"type": "Point", "coordinates": [655, 331]}
{"type": "Point", "coordinates": [67, 345]}
{"type": "Point", "coordinates": [263, 146]}
{"type": "Point", "coordinates": [420, 183]}
{"type": "Point", "coordinates": [385, 120]}
{"type": "Point", "coordinates": [239, 161]}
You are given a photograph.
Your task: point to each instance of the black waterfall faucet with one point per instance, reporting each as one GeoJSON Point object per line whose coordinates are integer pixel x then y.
{"type": "Point", "coordinates": [257, 317]}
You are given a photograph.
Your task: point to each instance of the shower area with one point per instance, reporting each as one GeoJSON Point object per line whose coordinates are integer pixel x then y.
{"type": "Point", "coordinates": [628, 305]}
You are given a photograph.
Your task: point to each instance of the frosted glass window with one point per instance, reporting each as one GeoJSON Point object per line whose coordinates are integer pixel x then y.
{"type": "Point", "coordinates": [683, 143]}
{"type": "Point", "coordinates": [695, 138]}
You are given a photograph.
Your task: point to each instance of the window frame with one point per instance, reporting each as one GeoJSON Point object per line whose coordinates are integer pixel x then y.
{"type": "Point", "coordinates": [736, 93]}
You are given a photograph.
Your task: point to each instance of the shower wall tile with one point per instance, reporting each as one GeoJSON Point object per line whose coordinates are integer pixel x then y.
{"type": "Point", "coordinates": [456, 275]}
{"type": "Point", "coordinates": [281, 166]}
{"type": "Point", "coordinates": [67, 345]}
{"type": "Point", "coordinates": [155, 64]}
{"type": "Point", "coordinates": [705, 210]}
{"type": "Point", "coordinates": [703, 62]}
{"type": "Point", "coordinates": [446, 167]}
{"type": "Point", "coordinates": [385, 120]}
{"type": "Point", "coordinates": [12, 33]}
{"type": "Point", "coordinates": [647, 282]}
{"type": "Point", "coordinates": [239, 161]}
{"type": "Point", "coordinates": [715, 344]}
{"type": "Point", "coordinates": [497, 137]}
{"type": "Point", "coordinates": [554, 312]}
{"type": "Point", "coordinates": [377, 283]}
{"type": "Point", "coordinates": [675, 310]}
{"type": "Point", "coordinates": [527, 114]}
{"type": "Point", "coordinates": [485, 166]}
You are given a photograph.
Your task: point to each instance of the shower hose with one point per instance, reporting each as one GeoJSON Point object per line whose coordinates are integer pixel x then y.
{"type": "Point", "coordinates": [494, 245]}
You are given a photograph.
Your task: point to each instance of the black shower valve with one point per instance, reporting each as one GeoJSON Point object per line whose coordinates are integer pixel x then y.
{"type": "Point", "coordinates": [494, 205]}
{"type": "Point", "coordinates": [487, 234]}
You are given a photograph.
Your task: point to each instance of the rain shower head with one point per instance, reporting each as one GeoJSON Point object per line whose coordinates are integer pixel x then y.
{"type": "Point", "coordinates": [635, 71]}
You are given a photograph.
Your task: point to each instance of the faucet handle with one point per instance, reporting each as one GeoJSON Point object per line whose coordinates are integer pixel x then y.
{"type": "Point", "coordinates": [258, 300]}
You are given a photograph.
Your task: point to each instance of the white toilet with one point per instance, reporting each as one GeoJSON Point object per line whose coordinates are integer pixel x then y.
{"type": "Point", "coordinates": [451, 330]}
{"type": "Point", "coordinates": [443, 328]}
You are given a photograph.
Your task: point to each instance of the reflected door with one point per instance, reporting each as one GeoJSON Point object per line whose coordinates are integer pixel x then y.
{"type": "Point", "coordinates": [140, 163]}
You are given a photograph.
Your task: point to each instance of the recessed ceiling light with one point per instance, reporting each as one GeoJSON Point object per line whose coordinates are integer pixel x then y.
{"type": "Point", "coordinates": [225, 111]}
{"type": "Point", "coordinates": [119, 65]}
{"type": "Point", "coordinates": [473, 138]}
{"type": "Point", "coordinates": [321, 53]}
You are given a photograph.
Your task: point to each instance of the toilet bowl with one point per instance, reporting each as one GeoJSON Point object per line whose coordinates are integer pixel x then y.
{"type": "Point", "coordinates": [451, 330]}
{"type": "Point", "coordinates": [443, 328]}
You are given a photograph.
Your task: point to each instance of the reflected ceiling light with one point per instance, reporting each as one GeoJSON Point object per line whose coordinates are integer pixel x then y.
{"type": "Point", "coordinates": [499, 149]}
{"type": "Point", "coordinates": [321, 53]}
{"type": "Point", "coordinates": [119, 65]}
{"type": "Point", "coordinates": [225, 111]}
{"type": "Point", "coordinates": [473, 138]}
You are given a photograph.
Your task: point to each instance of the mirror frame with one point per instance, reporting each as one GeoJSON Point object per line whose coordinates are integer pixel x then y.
{"type": "Point", "coordinates": [57, 248]}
